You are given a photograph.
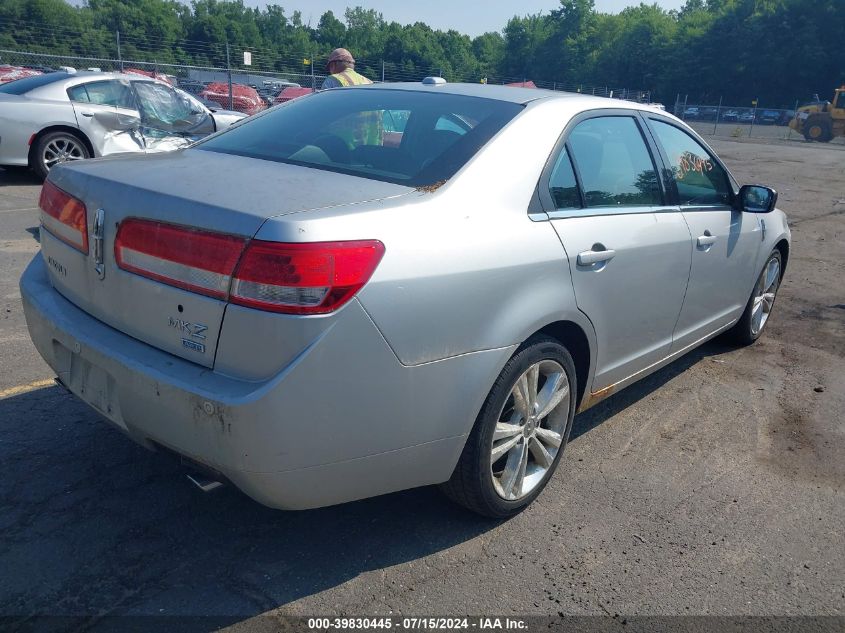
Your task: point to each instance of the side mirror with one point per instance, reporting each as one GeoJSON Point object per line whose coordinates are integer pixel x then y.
{"type": "Point", "coordinates": [757, 198]}
{"type": "Point", "coordinates": [118, 121]}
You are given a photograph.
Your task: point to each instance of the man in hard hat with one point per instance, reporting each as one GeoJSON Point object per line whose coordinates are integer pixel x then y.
{"type": "Point", "coordinates": [367, 128]}
{"type": "Point", "coordinates": [341, 67]}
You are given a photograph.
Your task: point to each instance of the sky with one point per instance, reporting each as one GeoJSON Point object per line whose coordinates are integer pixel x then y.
{"type": "Point", "coordinates": [472, 17]}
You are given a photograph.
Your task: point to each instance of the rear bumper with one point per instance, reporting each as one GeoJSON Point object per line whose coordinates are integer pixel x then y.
{"type": "Point", "coordinates": [344, 420]}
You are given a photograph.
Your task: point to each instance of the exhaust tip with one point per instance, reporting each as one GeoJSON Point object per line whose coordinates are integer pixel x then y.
{"type": "Point", "coordinates": [205, 484]}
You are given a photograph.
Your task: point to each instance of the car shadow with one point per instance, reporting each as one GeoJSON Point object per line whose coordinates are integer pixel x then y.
{"type": "Point", "coordinates": [629, 396]}
{"type": "Point", "coordinates": [18, 176]}
{"type": "Point", "coordinates": [93, 525]}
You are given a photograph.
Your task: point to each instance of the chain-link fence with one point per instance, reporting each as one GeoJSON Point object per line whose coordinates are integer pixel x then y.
{"type": "Point", "coordinates": [269, 83]}
{"type": "Point", "coordinates": [738, 121]}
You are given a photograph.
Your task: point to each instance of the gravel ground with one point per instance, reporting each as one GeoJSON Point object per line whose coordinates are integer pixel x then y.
{"type": "Point", "coordinates": [714, 487]}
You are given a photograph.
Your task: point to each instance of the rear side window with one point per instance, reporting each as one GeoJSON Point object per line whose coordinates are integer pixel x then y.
{"type": "Point", "coordinates": [562, 184]}
{"type": "Point", "coordinates": [614, 163]}
{"type": "Point", "coordinates": [110, 93]}
{"type": "Point", "coordinates": [400, 136]}
{"type": "Point", "coordinates": [700, 179]}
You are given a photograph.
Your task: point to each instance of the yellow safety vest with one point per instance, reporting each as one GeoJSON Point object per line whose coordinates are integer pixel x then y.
{"type": "Point", "coordinates": [350, 78]}
{"type": "Point", "coordinates": [369, 129]}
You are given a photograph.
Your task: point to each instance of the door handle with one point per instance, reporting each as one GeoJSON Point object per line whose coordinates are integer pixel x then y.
{"type": "Point", "coordinates": [88, 114]}
{"type": "Point", "coordinates": [594, 257]}
{"type": "Point", "coordinates": [706, 239]}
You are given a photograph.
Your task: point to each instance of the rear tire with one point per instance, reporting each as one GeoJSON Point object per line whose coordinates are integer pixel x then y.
{"type": "Point", "coordinates": [505, 442]}
{"type": "Point", "coordinates": [759, 307]}
{"type": "Point", "coordinates": [57, 147]}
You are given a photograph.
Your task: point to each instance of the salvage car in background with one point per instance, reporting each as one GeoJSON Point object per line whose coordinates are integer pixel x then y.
{"type": "Point", "coordinates": [244, 98]}
{"type": "Point", "coordinates": [290, 93]}
{"type": "Point", "coordinates": [13, 73]}
{"type": "Point", "coordinates": [317, 313]}
{"type": "Point", "coordinates": [57, 117]}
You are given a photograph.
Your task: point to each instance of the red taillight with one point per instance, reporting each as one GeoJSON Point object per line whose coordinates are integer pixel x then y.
{"type": "Point", "coordinates": [309, 278]}
{"type": "Point", "coordinates": [64, 216]}
{"type": "Point", "coordinates": [200, 261]}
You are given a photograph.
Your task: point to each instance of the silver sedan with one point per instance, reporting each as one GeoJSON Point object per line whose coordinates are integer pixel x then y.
{"type": "Point", "coordinates": [57, 117]}
{"type": "Point", "coordinates": [318, 310]}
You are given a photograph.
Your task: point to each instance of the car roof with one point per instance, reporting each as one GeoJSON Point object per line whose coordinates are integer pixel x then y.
{"type": "Point", "coordinates": [83, 76]}
{"type": "Point", "coordinates": [514, 94]}
{"type": "Point", "coordinates": [489, 91]}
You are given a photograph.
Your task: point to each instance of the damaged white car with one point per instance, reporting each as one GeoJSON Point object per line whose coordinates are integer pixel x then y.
{"type": "Point", "coordinates": [57, 117]}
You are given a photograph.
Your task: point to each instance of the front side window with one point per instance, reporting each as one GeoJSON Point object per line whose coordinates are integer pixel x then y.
{"type": "Point", "coordinates": [108, 93]}
{"type": "Point", "coordinates": [614, 163]}
{"type": "Point", "coordinates": [400, 136]}
{"type": "Point", "coordinates": [700, 179]}
{"type": "Point", "coordinates": [393, 125]}
{"type": "Point", "coordinates": [171, 111]}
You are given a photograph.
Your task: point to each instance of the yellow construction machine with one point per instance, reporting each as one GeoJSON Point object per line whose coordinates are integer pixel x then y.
{"type": "Point", "coordinates": [821, 121]}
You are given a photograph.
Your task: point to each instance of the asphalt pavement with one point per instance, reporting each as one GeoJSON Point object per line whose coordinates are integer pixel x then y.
{"type": "Point", "coordinates": [713, 487]}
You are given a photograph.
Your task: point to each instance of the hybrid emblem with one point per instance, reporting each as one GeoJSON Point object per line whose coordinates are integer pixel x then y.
{"type": "Point", "coordinates": [97, 235]}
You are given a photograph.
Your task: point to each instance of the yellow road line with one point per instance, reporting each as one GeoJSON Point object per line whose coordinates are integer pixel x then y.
{"type": "Point", "coordinates": [13, 391]}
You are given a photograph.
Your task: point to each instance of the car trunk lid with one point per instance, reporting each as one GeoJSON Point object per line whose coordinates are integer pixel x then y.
{"type": "Point", "coordinates": [203, 191]}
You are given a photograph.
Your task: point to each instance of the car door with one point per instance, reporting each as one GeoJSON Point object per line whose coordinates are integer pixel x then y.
{"type": "Point", "coordinates": [629, 254]}
{"type": "Point", "coordinates": [105, 111]}
{"type": "Point", "coordinates": [725, 241]}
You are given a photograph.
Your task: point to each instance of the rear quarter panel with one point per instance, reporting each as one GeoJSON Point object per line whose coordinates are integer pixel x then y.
{"type": "Point", "coordinates": [465, 267]}
{"type": "Point", "coordinates": [20, 118]}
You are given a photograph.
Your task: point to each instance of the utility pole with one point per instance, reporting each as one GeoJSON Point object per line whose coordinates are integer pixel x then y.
{"type": "Point", "coordinates": [718, 114]}
{"type": "Point", "coordinates": [229, 73]}
{"type": "Point", "coordinates": [382, 71]}
{"type": "Point", "coordinates": [119, 57]}
{"type": "Point", "coordinates": [755, 103]}
{"type": "Point", "coordinates": [313, 78]}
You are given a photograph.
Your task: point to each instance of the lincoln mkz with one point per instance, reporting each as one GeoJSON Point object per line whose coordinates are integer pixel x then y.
{"type": "Point", "coordinates": [317, 309]}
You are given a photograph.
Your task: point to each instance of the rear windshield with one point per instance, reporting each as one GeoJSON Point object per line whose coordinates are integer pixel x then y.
{"type": "Point", "coordinates": [21, 86]}
{"type": "Point", "coordinates": [399, 136]}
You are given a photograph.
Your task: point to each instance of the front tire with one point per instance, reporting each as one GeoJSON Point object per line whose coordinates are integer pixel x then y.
{"type": "Point", "coordinates": [759, 307]}
{"type": "Point", "coordinates": [57, 147]}
{"type": "Point", "coordinates": [520, 433]}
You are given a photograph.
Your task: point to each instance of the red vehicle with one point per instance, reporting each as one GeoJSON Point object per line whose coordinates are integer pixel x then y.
{"type": "Point", "coordinates": [10, 73]}
{"type": "Point", "coordinates": [290, 93]}
{"type": "Point", "coordinates": [244, 98]}
{"type": "Point", "coordinates": [149, 73]}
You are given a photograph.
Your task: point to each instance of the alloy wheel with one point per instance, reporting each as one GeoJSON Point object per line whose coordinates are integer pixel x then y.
{"type": "Point", "coordinates": [529, 430]}
{"type": "Point", "coordinates": [764, 297]}
{"type": "Point", "coordinates": [62, 149]}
